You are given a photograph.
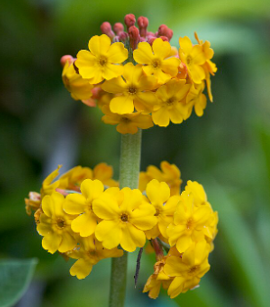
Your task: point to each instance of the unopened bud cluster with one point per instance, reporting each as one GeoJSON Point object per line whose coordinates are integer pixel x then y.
{"type": "Point", "coordinates": [85, 216]}
{"type": "Point", "coordinates": [137, 78]}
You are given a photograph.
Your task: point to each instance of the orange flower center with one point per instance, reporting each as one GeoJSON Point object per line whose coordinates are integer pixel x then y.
{"type": "Point", "coordinates": [193, 269]}
{"type": "Point", "coordinates": [132, 90]}
{"type": "Point", "coordinates": [102, 61]}
{"type": "Point", "coordinates": [60, 223]}
{"type": "Point", "coordinates": [189, 223]}
{"type": "Point", "coordinates": [189, 59]}
{"type": "Point", "coordinates": [156, 63]}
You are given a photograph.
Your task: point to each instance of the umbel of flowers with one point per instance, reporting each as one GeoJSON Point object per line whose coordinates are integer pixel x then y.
{"type": "Point", "coordinates": [137, 79]}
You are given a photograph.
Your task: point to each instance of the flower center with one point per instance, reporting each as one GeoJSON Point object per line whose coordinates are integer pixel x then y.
{"type": "Point", "coordinates": [157, 212]}
{"type": "Point", "coordinates": [189, 59]}
{"type": "Point", "coordinates": [132, 90]}
{"type": "Point", "coordinates": [193, 269]}
{"type": "Point", "coordinates": [156, 63]}
{"type": "Point", "coordinates": [170, 101]}
{"type": "Point", "coordinates": [124, 217]}
{"type": "Point", "coordinates": [125, 120]}
{"type": "Point", "coordinates": [60, 223]}
{"type": "Point", "coordinates": [189, 223]}
{"type": "Point", "coordinates": [102, 61]}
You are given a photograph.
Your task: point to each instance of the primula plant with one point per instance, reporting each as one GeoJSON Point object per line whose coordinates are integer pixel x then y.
{"type": "Point", "coordinates": [137, 80]}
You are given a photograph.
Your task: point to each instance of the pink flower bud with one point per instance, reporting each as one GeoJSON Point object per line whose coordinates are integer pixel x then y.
{"type": "Point", "coordinates": [134, 37]}
{"type": "Point", "coordinates": [151, 39]}
{"type": "Point", "coordinates": [118, 28]}
{"type": "Point", "coordinates": [143, 24]}
{"type": "Point", "coordinates": [163, 30]}
{"type": "Point", "coordinates": [123, 36]}
{"type": "Point", "coordinates": [106, 28]}
{"type": "Point", "coordinates": [164, 38]}
{"type": "Point", "coordinates": [130, 20]}
{"type": "Point", "coordinates": [66, 58]}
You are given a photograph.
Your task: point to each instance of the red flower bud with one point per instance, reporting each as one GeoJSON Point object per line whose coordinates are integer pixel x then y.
{"type": "Point", "coordinates": [143, 24]}
{"type": "Point", "coordinates": [106, 28]}
{"type": "Point", "coordinates": [130, 20]}
{"type": "Point", "coordinates": [118, 28]}
{"type": "Point", "coordinates": [134, 37]}
{"type": "Point", "coordinates": [163, 30]}
{"type": "Point", "coordinates": [164, 38]}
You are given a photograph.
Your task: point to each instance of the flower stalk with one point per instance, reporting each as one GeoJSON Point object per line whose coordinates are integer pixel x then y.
{"type": "Point", "coordinates": [129, 177]}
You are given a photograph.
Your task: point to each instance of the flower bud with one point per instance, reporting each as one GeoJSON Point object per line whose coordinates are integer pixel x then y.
{"type": "Point", "coordinates": [130, 20]}
{"type": "Point", "coordinates": [143, 24]}
{"type": "Point", "coordinates": [163, 30]}
{"type": "Point", "coordinates": [164, 38]}
{"type": "Point", "coordinates": [134, 37]}
{"type": "Point", "coordinates": [123, 36]}
{"type": "Point", "coordinates": [106, 28]}
{"type": "Point", "coordinates": [118, 28]}
{"type": "Point", "coordinates": [66, 58]}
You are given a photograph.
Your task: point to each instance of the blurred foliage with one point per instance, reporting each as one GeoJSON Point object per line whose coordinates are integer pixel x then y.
{"type": "Point", "coordinates": [227, 150]}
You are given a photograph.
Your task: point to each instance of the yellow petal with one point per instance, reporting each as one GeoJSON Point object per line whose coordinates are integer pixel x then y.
{"type": "Point", "coordinates": [68, 242]}
{"type": "Point", "coordinates": [183, 243]}
{"type": "Point", "coordinates": [109, 233]}
{"type": "Point", "coordinates": [85, 224]}
{"type": "Point", "coordinates": [117, 53]}
{"type": "Point", "coordinates": [122, 104]}
{"type": "Point", "coordinates": [161, 117]}
{"type": "Point", "coordinates": [91, 189]}
{"type": "Point", "coordinates": [185, 44]}
{"type": "Point", "coordinates": [51, 242]}
{"type": "Point", "coordinates": [106, 207]}
{"type": "Point", "coordinates": [132, 238]}
{"type": "Point", "coordinates": [170, 66]}
{"type": "Point", "coordinates": [143, 217]}
{"type": "Point", "coordinates": [86, 64]}
{"type": "Point", "coordinates": [144, 53]}
{"type": "Point", "coordinates": [161, 49]}
{"type": "Point", "coordinates": [74, 204]}
{"type": "Point", "coordinates": [125, 128]}
{"type": "Point", "coordinates": [115, 86]}
{"type": "Point", "coordinates": [111, 71]}
{"type": "Point", "coordinates": [157, 192]}
{"type": "Point", "coordinates": [81, 268]}
{"type": "Point", "coordinates": [99, 44]}
{"type": "Point", "coordinates": [176, 287]}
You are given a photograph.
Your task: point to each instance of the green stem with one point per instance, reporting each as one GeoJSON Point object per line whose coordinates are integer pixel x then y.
{"type": "Point", "coordinates": [129, 177]}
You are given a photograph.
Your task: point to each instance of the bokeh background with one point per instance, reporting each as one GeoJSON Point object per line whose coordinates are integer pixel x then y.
{"type": "Point", "coordinates": [227, 150]}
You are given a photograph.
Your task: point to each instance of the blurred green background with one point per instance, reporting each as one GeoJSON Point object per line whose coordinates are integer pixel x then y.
{"type": "Point", "coordinates": [227, 150]}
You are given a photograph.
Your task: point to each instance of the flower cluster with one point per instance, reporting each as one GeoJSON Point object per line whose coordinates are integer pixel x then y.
{"type": "Point", "coordinates": [138, 79]}
{"type": "Point", "coordinates": [85, 216]}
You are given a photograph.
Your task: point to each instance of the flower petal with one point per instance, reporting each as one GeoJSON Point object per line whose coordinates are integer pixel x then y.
{"type": "Point", "coordinates": [68, 242]}
{"type": "Point", "coordinates": [99, 44]}
{"type": "Point", "coordinates": [122, 104]}
{"type": "Point", "coordinates": [109, 233]}
{"type": "Point", "coordinates": [74, 204]}
{"type": "Point", "coordinates": [81, 268]}
{"type": "Point", "coordinates": [106, 207]}
{"type": "Point", "coordinates": [132, 238]}
{"type": "Point", "coordinates": [144, 53]}
{"type": "Point", "coordinates": [85, 224]}
{"type": "Point", "coordinates": [51, 242]}
{"type": "Point", "coordinates": [117, 53]}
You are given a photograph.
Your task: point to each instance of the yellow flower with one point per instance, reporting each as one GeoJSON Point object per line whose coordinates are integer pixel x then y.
{"type": "Point", "coordinates": [54, 225]}
{"type": "Point", "coordinates": [125, 216]}
{"type": "Point", "coordinates": [171, 105]}
{"type": "Point", "coordinates": [89, 253]}
{"type": "Point", "coordinates": [127, 123]}
{"type": "Point", "coordinates": [79, 88]}
{"type": "Point", "coordinates": [165, 206]}
{"type": "Point", "coordinates": [104, 173]}
{"type": "Point", "coordinates": [191, 223]}
{"type": "Point", "coordinates": [197, 191]}
{"type": "Point", "coordinates": [193, 57]}
{"type": "Point", "coordinates": [196, 99]}
{"type": "Point", "coordinates": [135, 89]}
{"type": "Point", "coordinates": [80, 205]}
{"type": "Point", "coordinates": [158, 279]}
{"type": "Point", "coordinates": [157, 60]}
{"type": "Point", "coordinates": [209, 67]}
{"type": "Point", "coordinates": [102, 61]}
{"type": "Point", "coordinates": [48, 186]}
{"type": "Point", "coordinates": [187, 269]}
{"type": "Point", "coordinates": [169, 173]}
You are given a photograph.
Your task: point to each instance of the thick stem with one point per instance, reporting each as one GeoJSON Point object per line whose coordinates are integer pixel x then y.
{"type": "Point", "coordinates": [129, 177]}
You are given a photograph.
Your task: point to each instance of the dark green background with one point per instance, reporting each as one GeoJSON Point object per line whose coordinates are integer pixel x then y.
{"type": "Point", "coordinates": [227, 150]}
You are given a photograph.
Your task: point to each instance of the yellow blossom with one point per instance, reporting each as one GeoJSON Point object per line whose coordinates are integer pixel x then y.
{"type": "Point", "coordinates": [196, 99]}
{"type": "Point", "coordinates": [191, 223]}
{"type": "Point", "coordinates": [102, 61]}
{"type": "Point", "coordinates": [127, 123]}
{"type": "Point", "coordinates": [193, 57]}
{"type": "Point", "coordinates": [157, 279]}
{"type": "Point", "coordinates": [188, 269]}
{"type": "Point", "coordinates": [79, 88]}
{"type": "Point", "coordinates": [209, 67]}
{"type": "Point", "coordinates": [125, 216]}
{"type": "Point", "coordinates": [165, 206]}
{"type": "Point", "coordinates": [157, 60]}
{"type": "Point", "coordinates": [80, 205]}
{"type": "Point", "coordinates": [169, 173]}
{"type": "Point", "coordinates": [171, 104]}
{"type": "Point", "coordinates": [135, 88]}
{"type": "Point", "coordinates": [89, 253]}
{"type": "Point", "coordinates": [54, 225]}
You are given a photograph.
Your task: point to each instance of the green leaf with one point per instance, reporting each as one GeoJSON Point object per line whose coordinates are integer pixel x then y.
{"type": "Point", "coordinates": [15, 277]}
